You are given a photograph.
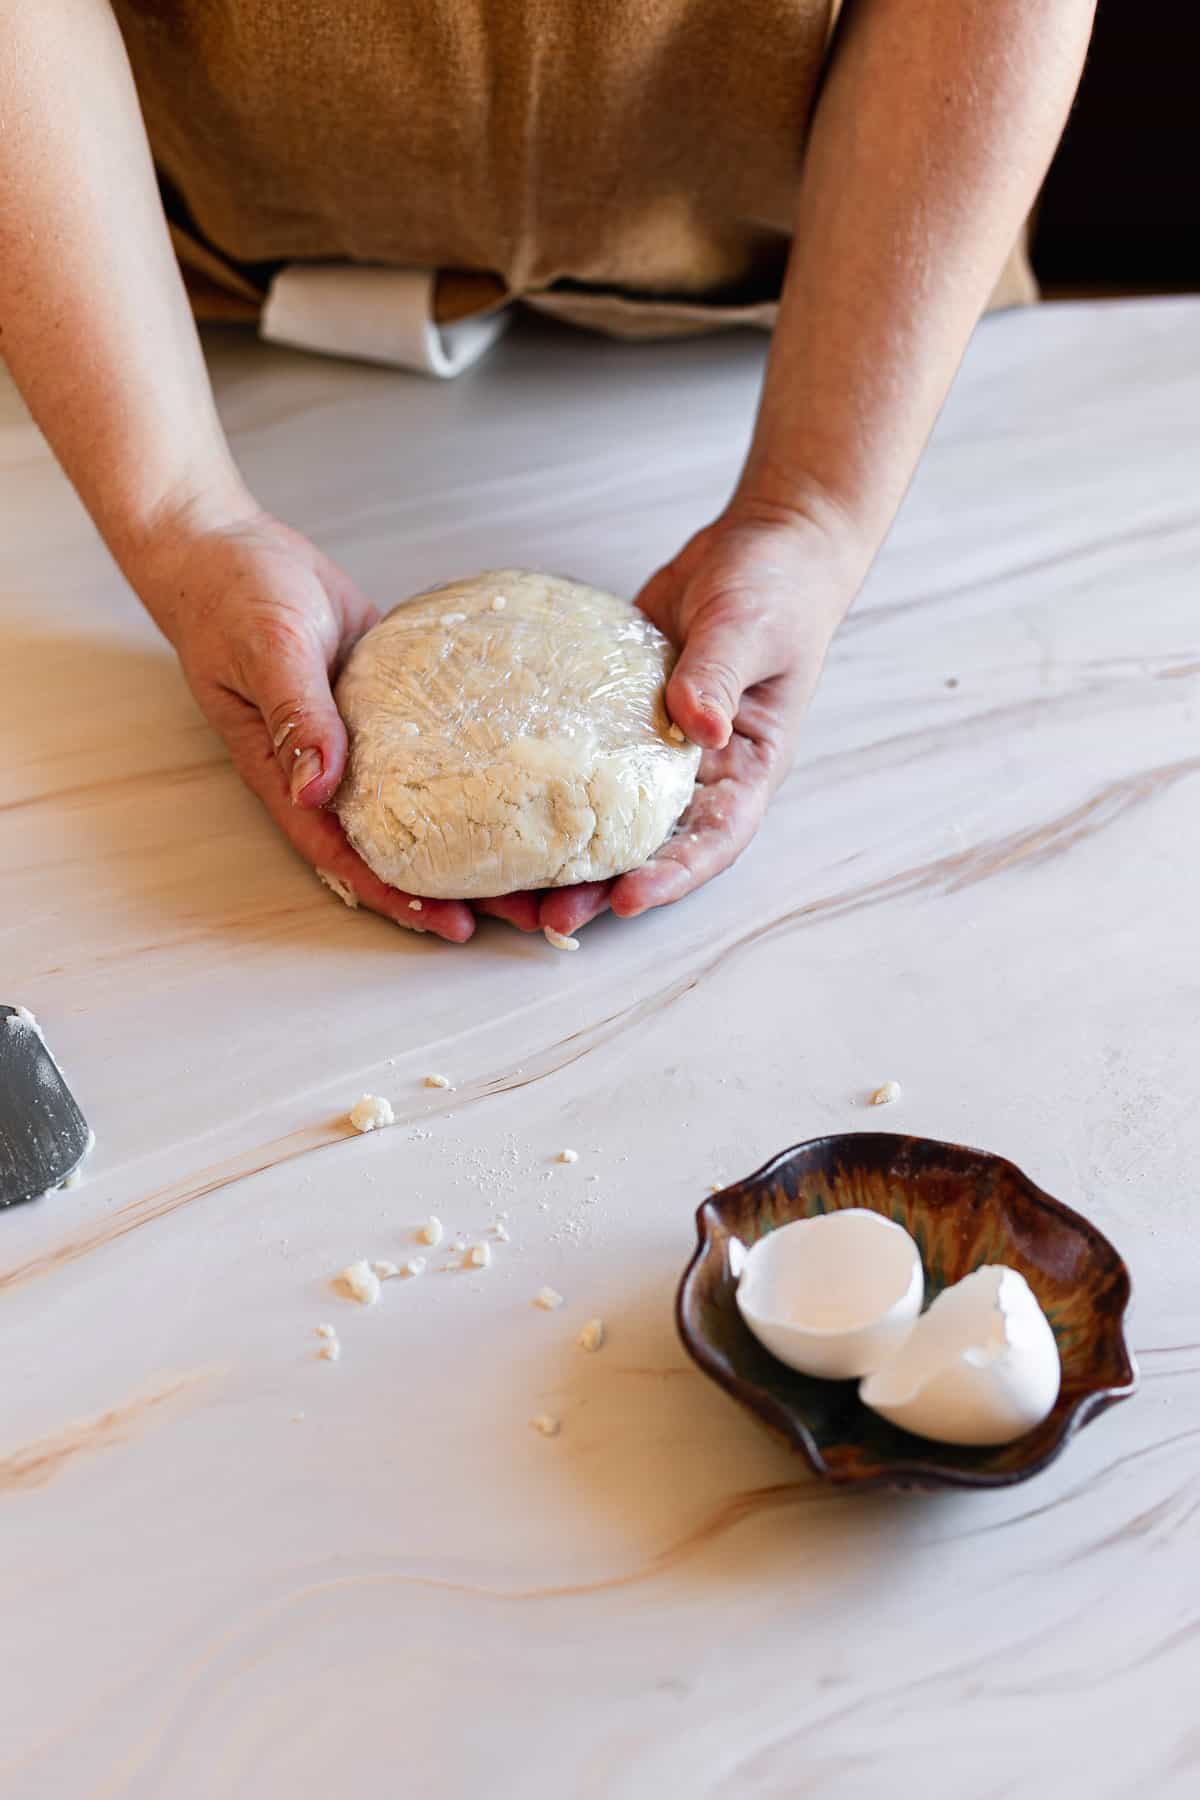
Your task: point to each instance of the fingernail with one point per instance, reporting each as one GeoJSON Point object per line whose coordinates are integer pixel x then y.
{"type": "Point", "coordinates": [717, 713]}
{"type": "Point", "coordinates": [306, 767]}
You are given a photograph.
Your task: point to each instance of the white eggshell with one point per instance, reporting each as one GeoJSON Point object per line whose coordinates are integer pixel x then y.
{"type": "Point", "coordinates": [833, 1295]}
{"type": "Point", "coordinates": [980, 1367]}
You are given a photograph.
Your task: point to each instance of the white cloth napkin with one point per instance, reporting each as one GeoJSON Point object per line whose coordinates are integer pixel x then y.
{"type": "Point", "coordinates": [378, 315]}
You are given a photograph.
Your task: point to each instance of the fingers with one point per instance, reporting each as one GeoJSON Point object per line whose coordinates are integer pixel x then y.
{"type": "Point", "coordinates": [321, 841]}
{"type": "Point", "coordinates": [731, 796]}
{"type": "Point", "coordinates": [715, 829]}
{"type": "Point", "coordinates": [727, 648]}
{"type": "Point", "coordinates": [567, 909]}
{"type": "Point", "coordinates": [560, 909]}
{"type": "Point", "coordinates": [319, 838]}
{"type": "Point", "coordinates": [283, 666]}
{"type": "Point", "coordinates": [520, 910]}
{"type": "Point", "coordinates": [659, 597]}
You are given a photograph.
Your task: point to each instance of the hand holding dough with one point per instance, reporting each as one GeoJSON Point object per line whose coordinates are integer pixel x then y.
{"type": "Point", "coordinates": [510, 732]}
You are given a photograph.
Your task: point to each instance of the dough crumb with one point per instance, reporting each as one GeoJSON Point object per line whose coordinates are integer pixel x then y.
{"type": "Point", "coordinates": [385, 1270]}
{"type": "Point", "coordinates": [592, 1336]}
{"type": "Point", "coordinates": [676, 736]}
{"type": "Point", "coordinates": [330, 1350]}
{"type": "Point", "coordinates": [883, 1096]}
{"type": "Point", "coordinates": [415, 906]}
{"type": "Point", "coordinates": [342, 889]}
{"type": "Point", "coordinates": [437, 1081]}
{"type": "Point", "coordinates": [431, 1230]}
{"type": "Point", "coordinates": [557, 940]}
{"type": "Point", "coordinates": [499, 1231]}
{"type": "Point", "coordinates": [371, 1113]}
{"type": "Point", "coordinates": [568, 1156]}
{"type": "Point", "coordinates": [414, 1266]}
{"type": "Point", "coordinates": [548, 1298]}
{"type": "Point", "coordinates": [547, 1424]}
{"type": "Point", "coordinates": [326, 1331]}
{"type": "Point", "coordinates": [479, 1256]}
{"type": "Point", "coordinates": [360, 1282]}
{"type": "Point", "coordinates": [714, 1187]}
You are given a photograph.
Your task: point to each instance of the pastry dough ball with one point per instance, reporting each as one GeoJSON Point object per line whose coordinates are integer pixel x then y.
{"type": "Point", "coordinates": [509, 732]}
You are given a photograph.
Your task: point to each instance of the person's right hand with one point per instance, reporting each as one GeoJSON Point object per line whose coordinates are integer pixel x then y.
{"type": "Point", "coordinates": [261, 621]}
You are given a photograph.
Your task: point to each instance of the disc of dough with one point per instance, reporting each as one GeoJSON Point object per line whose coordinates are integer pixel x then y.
{"type": "Point", "coordinates": [509, 732]}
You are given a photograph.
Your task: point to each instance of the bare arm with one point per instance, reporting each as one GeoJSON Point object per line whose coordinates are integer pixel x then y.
{"type": "Point", "coordinates": [94, 322]}
{"type": "Point", "coordinates": [95, 326]}
{"type": "Point", "coordinates": [932, 136]}
{"type": "Point", "coordinates": [932, 133]}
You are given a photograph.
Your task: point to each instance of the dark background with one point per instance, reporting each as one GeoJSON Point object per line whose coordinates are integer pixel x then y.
{"type": "Point", "coordinates": [1120, 211]}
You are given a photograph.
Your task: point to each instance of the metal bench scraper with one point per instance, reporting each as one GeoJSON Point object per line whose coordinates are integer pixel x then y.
{"type": "Point", "coordinates": [43, 1135]}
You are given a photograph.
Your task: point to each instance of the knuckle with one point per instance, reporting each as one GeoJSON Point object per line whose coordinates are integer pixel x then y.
{"type": "Point", "coordinates": [285, 721]}
{"type": "Point", "coordinates": [719, 676]}
{"type": "Point", "coordinates": [271, 639]}
{"type": "Point", "coordinates": [731, 605]}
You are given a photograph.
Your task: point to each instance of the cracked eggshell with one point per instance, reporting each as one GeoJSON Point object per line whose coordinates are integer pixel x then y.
{"type": "Point", "coordinates": [980, 1367]}
{"type": "Point", "coordinates": [833, 1295]}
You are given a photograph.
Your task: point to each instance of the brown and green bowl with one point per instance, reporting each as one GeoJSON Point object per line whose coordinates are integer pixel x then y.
{"type": "Point", "coordinates": [964, 1208]}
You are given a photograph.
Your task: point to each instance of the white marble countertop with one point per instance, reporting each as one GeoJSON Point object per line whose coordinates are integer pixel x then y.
{"type": "Point", "coordinates": [228, 1568]}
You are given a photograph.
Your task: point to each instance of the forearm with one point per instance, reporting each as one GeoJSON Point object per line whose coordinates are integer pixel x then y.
{"type": "Point", "coordinates": [932, 134]}
{"type": "Point", "coordinates": [94, 322]}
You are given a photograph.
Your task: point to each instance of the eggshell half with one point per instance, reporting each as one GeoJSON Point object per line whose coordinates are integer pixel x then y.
{"type": "Point", "coordinates": [833, 1295]}
{"type": "Point", "coordinates": [980, 1367]}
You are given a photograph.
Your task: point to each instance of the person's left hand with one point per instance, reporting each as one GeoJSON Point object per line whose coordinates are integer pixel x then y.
{"type": "Point", "coordinates": [753, 602]}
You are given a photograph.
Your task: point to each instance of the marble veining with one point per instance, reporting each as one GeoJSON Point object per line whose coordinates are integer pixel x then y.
{"type": "Point", "coordinates": [225, 1562]}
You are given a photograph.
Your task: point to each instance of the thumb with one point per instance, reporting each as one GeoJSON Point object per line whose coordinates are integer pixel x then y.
{"type": "Point", "coordinates": [287, 679]}
{"type": "Point", "coordinates": [723, 654]}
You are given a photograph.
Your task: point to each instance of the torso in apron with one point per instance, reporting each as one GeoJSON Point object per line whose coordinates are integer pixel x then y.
{"type": "Point", "coordinates": [605, 154]}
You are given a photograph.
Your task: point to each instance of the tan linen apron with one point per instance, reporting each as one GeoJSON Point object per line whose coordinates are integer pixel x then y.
{"type": "Point", "coordinates": [628, 165]}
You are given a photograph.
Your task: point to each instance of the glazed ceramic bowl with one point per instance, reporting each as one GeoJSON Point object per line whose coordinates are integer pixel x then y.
{"type": "Point", "coordinates": [964, 1208]}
